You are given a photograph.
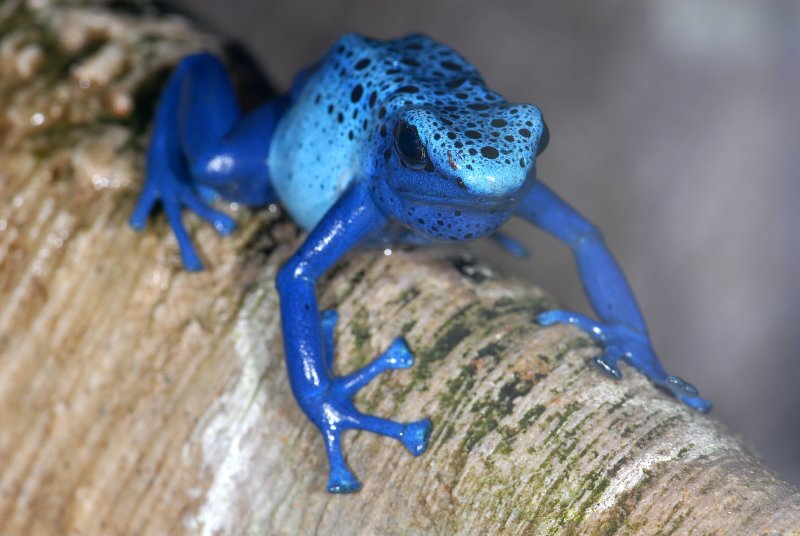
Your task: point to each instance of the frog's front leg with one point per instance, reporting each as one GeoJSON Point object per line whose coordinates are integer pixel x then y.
{"type": "Point", "coordinates": [621, 328]}
{"type": "Point", "coordinates": [201, 148]}
{"type": "Point", "coordinates": [308, 339]}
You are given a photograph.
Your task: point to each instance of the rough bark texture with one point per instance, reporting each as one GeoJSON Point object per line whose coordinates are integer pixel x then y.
{"type": "Point", "coordinates": [136, 398]}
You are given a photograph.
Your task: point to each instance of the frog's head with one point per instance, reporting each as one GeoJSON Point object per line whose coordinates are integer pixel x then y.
{"type": "Point", "coordinates": [459, 172]}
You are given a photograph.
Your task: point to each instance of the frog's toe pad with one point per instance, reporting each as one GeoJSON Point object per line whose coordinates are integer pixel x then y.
{"type": "Point", "coordinates": [680, 387]}
{"type": "Point", "coordinates": [343, 481]}
{"type": "Point", "coordinates": [586, 323]}
{"type": "Point", "coordinates": [695, 402]}
{"type": "Point", "coordinates": [415, 436]}
{"type": "Point", "coordinates": [189, 257]}
{"type": "Point", "coordinates": [608, 366]}
{"type": "Point", "coordinates": [549, 318]}
{"type": "Point", "coordinates": [223, 223]}
{"type": "Point", "coordinates": [398, 355]}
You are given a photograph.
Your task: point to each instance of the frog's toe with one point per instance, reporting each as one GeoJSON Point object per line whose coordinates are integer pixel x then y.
{"type": "Point", "coordinates": [144, 206]}
{"type": "Point", "coordinates": [223, 223]}
{"type": "Point", "coordinates": [680, 387]}
{"type": "Point", "coordinates": [191, 260]}
{"type": "Point", "coordinates": [398, 355]}
{"type": "Point", "coordinates": [512, 246]}
{"type": "Point", "coordinates": [415, 436]}
{"type": "Point", "coordinates": [607, 363]}
{"type": "Point", "coordinates": [586, 323]}
{"type": "Point", "coordinates": [550, 318]}
{"type": "Point", "coordinates": [340, 478]}
{"type": "Point", "coordinates": [697, 403]}
{"type": "Point", "coordinates": [685, 392]}
{"type": "Point", "coordinates": [342, 481]}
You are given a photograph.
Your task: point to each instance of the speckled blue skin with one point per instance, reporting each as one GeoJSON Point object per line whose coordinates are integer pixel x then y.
{"type": "Point", "coordinates": [379, 141]}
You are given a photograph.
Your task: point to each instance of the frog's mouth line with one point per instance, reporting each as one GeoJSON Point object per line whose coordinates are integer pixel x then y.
{"type": "Point", "coordinates": [452, 191]}
{"type": "Point", "coordinates": [481, 202]}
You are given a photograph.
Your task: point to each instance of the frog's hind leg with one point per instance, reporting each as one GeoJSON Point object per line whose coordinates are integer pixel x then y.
{"type": "Point", "coordinates": [202, 148]}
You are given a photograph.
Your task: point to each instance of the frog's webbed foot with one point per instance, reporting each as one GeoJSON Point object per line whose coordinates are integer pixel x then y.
{"type": "Point", "coordinates": [622, 342]}
{"type": "Point", "coordinates": [174, 194]}
{"type": "Point", "coordinates": [333, 411]}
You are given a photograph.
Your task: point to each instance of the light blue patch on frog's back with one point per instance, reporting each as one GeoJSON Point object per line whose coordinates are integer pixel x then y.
{"type": "Point", "coordinates": [318, 147]}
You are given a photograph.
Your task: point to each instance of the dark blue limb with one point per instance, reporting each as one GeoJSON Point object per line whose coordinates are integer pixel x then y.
{"type": "Point", "coordinates": [398, 356]}
{"type": "Point", "coordinates": [621, 328]}
{"type": "Point", "coordinates": [509, 244]}
{"type": "Point", "coordinates": [201, 148]}
{"type": "Point", "coordinates": [308, 338]}
{"type": "Point", "coordinates": [328, 320]}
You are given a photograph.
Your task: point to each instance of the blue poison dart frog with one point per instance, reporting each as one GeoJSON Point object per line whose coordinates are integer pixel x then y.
{"type": "Point", "coordinates": [398, 141]}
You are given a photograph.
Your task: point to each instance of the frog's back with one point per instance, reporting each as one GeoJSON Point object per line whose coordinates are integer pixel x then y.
{"type": "Point", "coordinates": [327, 137]}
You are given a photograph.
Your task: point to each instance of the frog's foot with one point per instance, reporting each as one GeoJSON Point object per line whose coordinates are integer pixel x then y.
{"type": "Point", "coordinates": [173, 195]}
{"type": "Point", "coordinates": [335, 412]}
{"type": "Point", "coordinates": [622, 342]}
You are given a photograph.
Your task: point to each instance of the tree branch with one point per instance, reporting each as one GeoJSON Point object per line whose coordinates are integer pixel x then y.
{"type": "Point", "coordinates": [139, 399]}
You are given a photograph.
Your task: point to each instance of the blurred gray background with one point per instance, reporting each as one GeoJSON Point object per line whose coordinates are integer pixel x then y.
{"type": "Point", "coordinates": [674, 127]}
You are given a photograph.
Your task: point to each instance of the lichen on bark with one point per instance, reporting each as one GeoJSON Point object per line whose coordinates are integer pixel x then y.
{"type": "Point", "coordinates": [139, 399]}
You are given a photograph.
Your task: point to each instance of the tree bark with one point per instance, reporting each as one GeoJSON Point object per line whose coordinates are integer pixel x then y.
{"type": "Point", "coordinates": [136, 398]}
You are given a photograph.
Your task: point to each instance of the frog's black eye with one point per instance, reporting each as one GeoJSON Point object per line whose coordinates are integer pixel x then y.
{"type": "Point", "coordinates": [544, 139]}
{"type": "Point", "coordinates": [409, 146]}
